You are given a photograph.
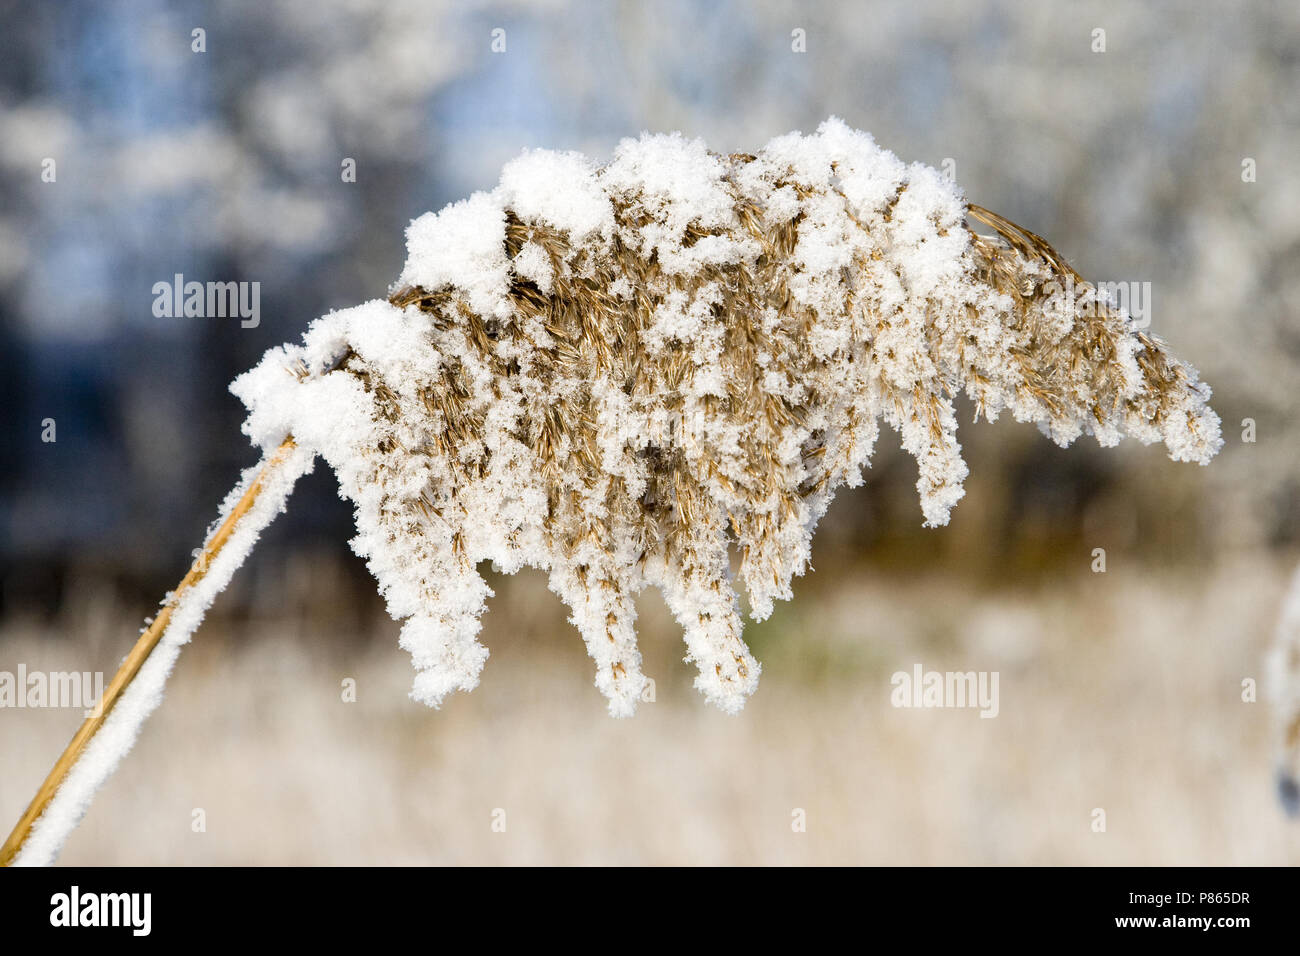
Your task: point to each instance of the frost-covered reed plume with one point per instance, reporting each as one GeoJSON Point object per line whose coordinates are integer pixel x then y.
{"type": "Point", "coordinates": [615, 373]}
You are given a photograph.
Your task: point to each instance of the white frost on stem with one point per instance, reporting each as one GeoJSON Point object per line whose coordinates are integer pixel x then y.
{"type": "Point", "coordinates": [616, 374]}
{"type": "Point", "coordinates": [118, 733]}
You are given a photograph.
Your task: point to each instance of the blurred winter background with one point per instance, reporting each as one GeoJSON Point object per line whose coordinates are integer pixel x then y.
{"type": "Point", "coordinates": [1121, 691]}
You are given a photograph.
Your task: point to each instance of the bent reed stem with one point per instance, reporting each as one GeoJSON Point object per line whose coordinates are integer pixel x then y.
{"type": "Point", "coordinates": [136, 658]}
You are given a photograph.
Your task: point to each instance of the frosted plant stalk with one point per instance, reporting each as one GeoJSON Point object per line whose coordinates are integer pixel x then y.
{"type": "Point", "coordinates": [615, 374]}
{"type": "Point", "coordinates": [247, 510]}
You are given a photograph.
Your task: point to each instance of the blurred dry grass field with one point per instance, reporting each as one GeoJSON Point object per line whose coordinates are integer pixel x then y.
{"type": "Point", "coordinates": [1119, 690]}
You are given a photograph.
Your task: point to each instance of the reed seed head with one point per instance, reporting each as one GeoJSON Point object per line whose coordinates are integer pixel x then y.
{"type": "Point", "coordinates": [616, 373]}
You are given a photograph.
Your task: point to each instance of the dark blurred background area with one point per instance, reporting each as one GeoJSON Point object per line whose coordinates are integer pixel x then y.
{"type": "Point", "coordinates": [225, 164]}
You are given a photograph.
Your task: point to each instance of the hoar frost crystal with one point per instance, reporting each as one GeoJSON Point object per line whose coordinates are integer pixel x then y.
{"type": "Point", "coordinates": [614, 373]}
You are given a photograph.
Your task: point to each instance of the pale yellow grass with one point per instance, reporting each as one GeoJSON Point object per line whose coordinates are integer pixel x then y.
{"type": "Point", "coordinates": [1119, 691]}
